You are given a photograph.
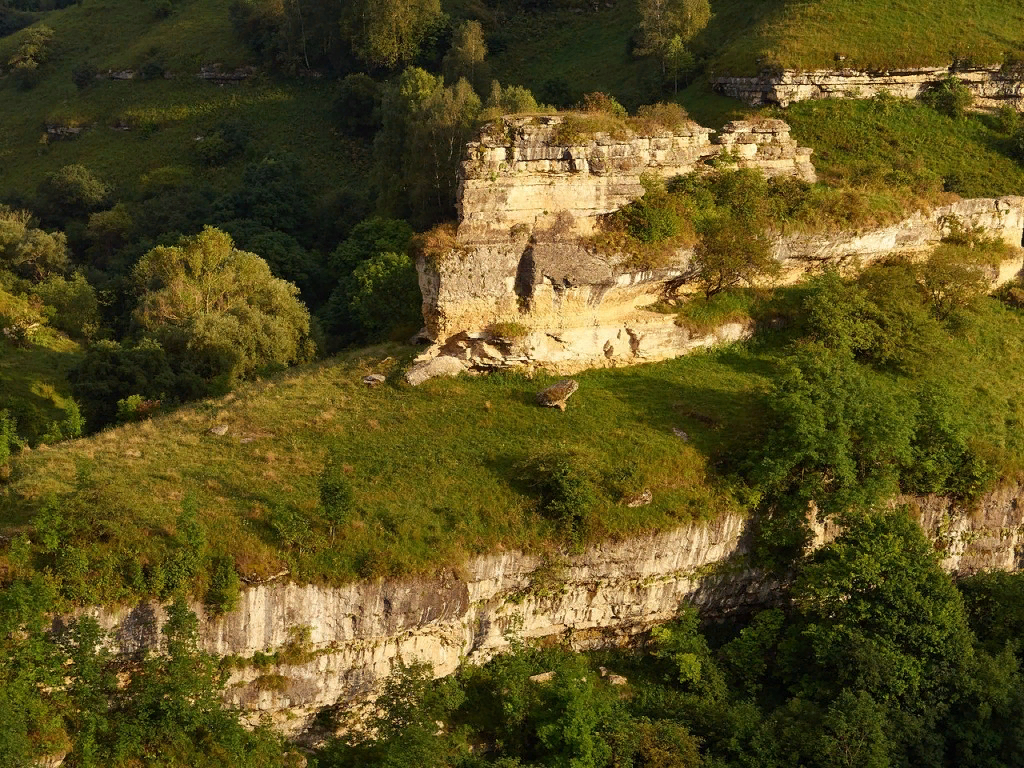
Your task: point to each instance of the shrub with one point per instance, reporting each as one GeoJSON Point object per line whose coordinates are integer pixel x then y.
{"type": "Point", "coordinates": [508, 330]}
{"type": "Point", "coordinates": [71, 305]}
{"type": "Point", "coordinates": [357, 105]}
{"type": "Point", "coordinates": [336, 497]}
{"type": "Point", "coordinates": [83, 75]}
{"type": "Point", "coordinates": [10, 443]}
{"type": "Point", "coordinates": [949, 97]}
{"type": "Point", "coordinates": [73, 191]}
{"type": "Point", "coordinates": [603, 103]}
{"type": "Point", "coordinates": [225, 586]}
{"type": "Point", "coordinates": [566, 489]}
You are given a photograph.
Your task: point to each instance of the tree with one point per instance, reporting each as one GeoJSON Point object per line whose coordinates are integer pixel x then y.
{"type": "Point", "coordinates": [662, 21]}
{"type": "Point", "coordinates": [417, 152]}
{"type": "Point", "coordinates": [389, 33]}
{"type": "Point", "coordinates": [28, 251]}
{"type": "Point", "coordinates": [386, 294]}
{"type": "Point", "coordinates": [466, 57]}
{"type": "Point", "coordinates": [954, 278]}
{"type": "Point", "coordinates": [220, 308]}
{"type": "Point", "coordinates": [113, 371]}
{"type": "Point", "coordinates": [351, 304]}
{"type": "Point", "coordinates": [732, 252]}
{"type": "Point", "coordinates": [73, 191]}
{"type": "Point", "coordinates": [357, 105]}
{"type": "Point", "coordinates": [876, 613]}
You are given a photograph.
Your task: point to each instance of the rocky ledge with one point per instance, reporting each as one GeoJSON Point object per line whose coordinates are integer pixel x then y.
{"type": "Point", "coordinates": [339, 642]}
{"type": "Point", "coordinates": [992, 87]}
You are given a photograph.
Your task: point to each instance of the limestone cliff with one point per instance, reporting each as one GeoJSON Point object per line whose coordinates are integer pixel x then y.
{"type": "Point", "coordinates": [992, 87]}
{"type": "Point", "coordinates": [531, 189]}
{"type": "Point", "coordinates": [521, 286]}
{"type": "Point", "coordinates": [601, 597]}
{"type": "Point", "coordinates": [536, 173]}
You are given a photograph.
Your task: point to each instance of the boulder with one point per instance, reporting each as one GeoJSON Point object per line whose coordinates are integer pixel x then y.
{"type": "Point", "coordinates": [443, 365]}
{"type": "Point", "coordinates": [556, 395]}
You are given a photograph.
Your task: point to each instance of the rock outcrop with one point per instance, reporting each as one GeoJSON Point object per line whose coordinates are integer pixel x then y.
{"type": "Point", "coordinates": [992, 87]}
{"type": "Point", "coordinates": [531, 189]}
{"type": "Point", "coordinates": [602, 597]}
{"type": "Point", "coordinates": [522, 286]}
{"type": "Point", "coordinates": [536, 173]}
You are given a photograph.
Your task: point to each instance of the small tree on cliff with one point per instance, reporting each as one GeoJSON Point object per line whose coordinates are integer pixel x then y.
{"type": "Point", "coordinates": [732, 252]}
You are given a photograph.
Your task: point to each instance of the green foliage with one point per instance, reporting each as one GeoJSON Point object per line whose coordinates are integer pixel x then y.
{"type": "Point", "coordinates": [425, 125]}
{"type": "Point", "coordinates": [876, 613]}
{"type": "Point", "coordinates": [219, 308]}
{"type": "Point", "coordinates": [113, 372]}
{"type": "Point", "coordinates": [357, 105]}
{"type": "Point", "coordinates": [71, 305]}
{"type": "Point", "coordinates": [225, 586]}
{"type": "Point", "coordinates": [385, 295]}
{"type": "Point", "coordinates": [840, 439]}
{"type": "Point", "coordinates": [949, 97]}
{"type": "Point", "coordinates": [371, 267]}
{"type": "Point", "coordinates": [732, 253]}
{"type": "Point", "coordinates": [566, 489]}
{"type": "Point", "coordinates": [466, 57]}
{"type": "Point", "coordinates": [28, 251]}
{"type": "Point", "coordinates": [685, 649]}
{"type": "Point", "coordinates": [35, 49]}
{"type": "Point", "coordinates": [72, 191]}
{"type": "Point", "coordinates": [336, 496]}
{"type": "Point", "coordinates": [995, 609]}
{"type": "Point", "coordinates": [10, 443]}
{"type": "Point", "coordinates": [391, 33]}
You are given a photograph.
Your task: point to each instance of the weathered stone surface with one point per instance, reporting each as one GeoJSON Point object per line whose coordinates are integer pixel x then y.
{"type": "Point", "coordinates": [519, 173]}
{"type": "Point", "coordinates": [219, 431]}
{"type": "Point", "coordinates": [442, 365]}
{"type": "Point", "coordinates": [603, 597]}
{"type": "Point", "coordinates": [583, 309]}
{"type": "Point", "coordinates": [991, 86]}
{"type": "Point", "coordinates": [374, 379]}
{"type": "Point", "coordinates": [557, 394]}
{"type": "Point", "coordinates": [522, 256]}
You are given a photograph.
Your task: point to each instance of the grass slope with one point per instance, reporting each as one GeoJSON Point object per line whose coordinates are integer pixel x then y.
{"type": "Point", "coordinates": [437, 471]}
{"type": "Point", "coordinates": [871, 34]}
{"type": "Point", "coordinates": [434, 469]}
{"type": "Point", "coordinates": [164, 116]}
{"type": "Point", "coordinates": [35, 389]}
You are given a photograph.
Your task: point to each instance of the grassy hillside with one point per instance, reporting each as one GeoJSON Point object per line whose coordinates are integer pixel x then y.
{"type": "Point", "coordinates": [133, 127]}
{"type": "Point", "coordinates": [436, 470]}
{"type": "Point", "coordinates": [34, 389]}
{"type": "Point", "coordinates": [873, 34]}
{"type": "Point", "coordinates": [443, 471]}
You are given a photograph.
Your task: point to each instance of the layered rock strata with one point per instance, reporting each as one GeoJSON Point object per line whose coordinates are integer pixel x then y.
{"type": "Point", "coordinates": [532, 173]}
{"type": "Point", "coordinates": [600, 598]}
{"type": "Point", "coordinates": [992, 87]}
{"type": "Point", "coordinates": [520, 287]}
{"type": "Point", "coordinates": [523, 286]}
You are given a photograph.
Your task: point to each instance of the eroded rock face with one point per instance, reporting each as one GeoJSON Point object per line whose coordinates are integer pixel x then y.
{"type": "Point", "coordinates": [992, 86]}
{"type": "Point", "coordinates": [600, 598]}
{"type": "Point", "coordinates": [526, 172]}
{"type": "Point", "coordinates": [531, 193]}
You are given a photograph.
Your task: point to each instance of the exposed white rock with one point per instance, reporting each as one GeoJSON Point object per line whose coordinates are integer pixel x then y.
{"type": "Point", "coordinates": [991, 86]}
{"type": "Point", "coordinates": [599, 598]}
{"type": "Point", "coordinates": [442, 365]}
